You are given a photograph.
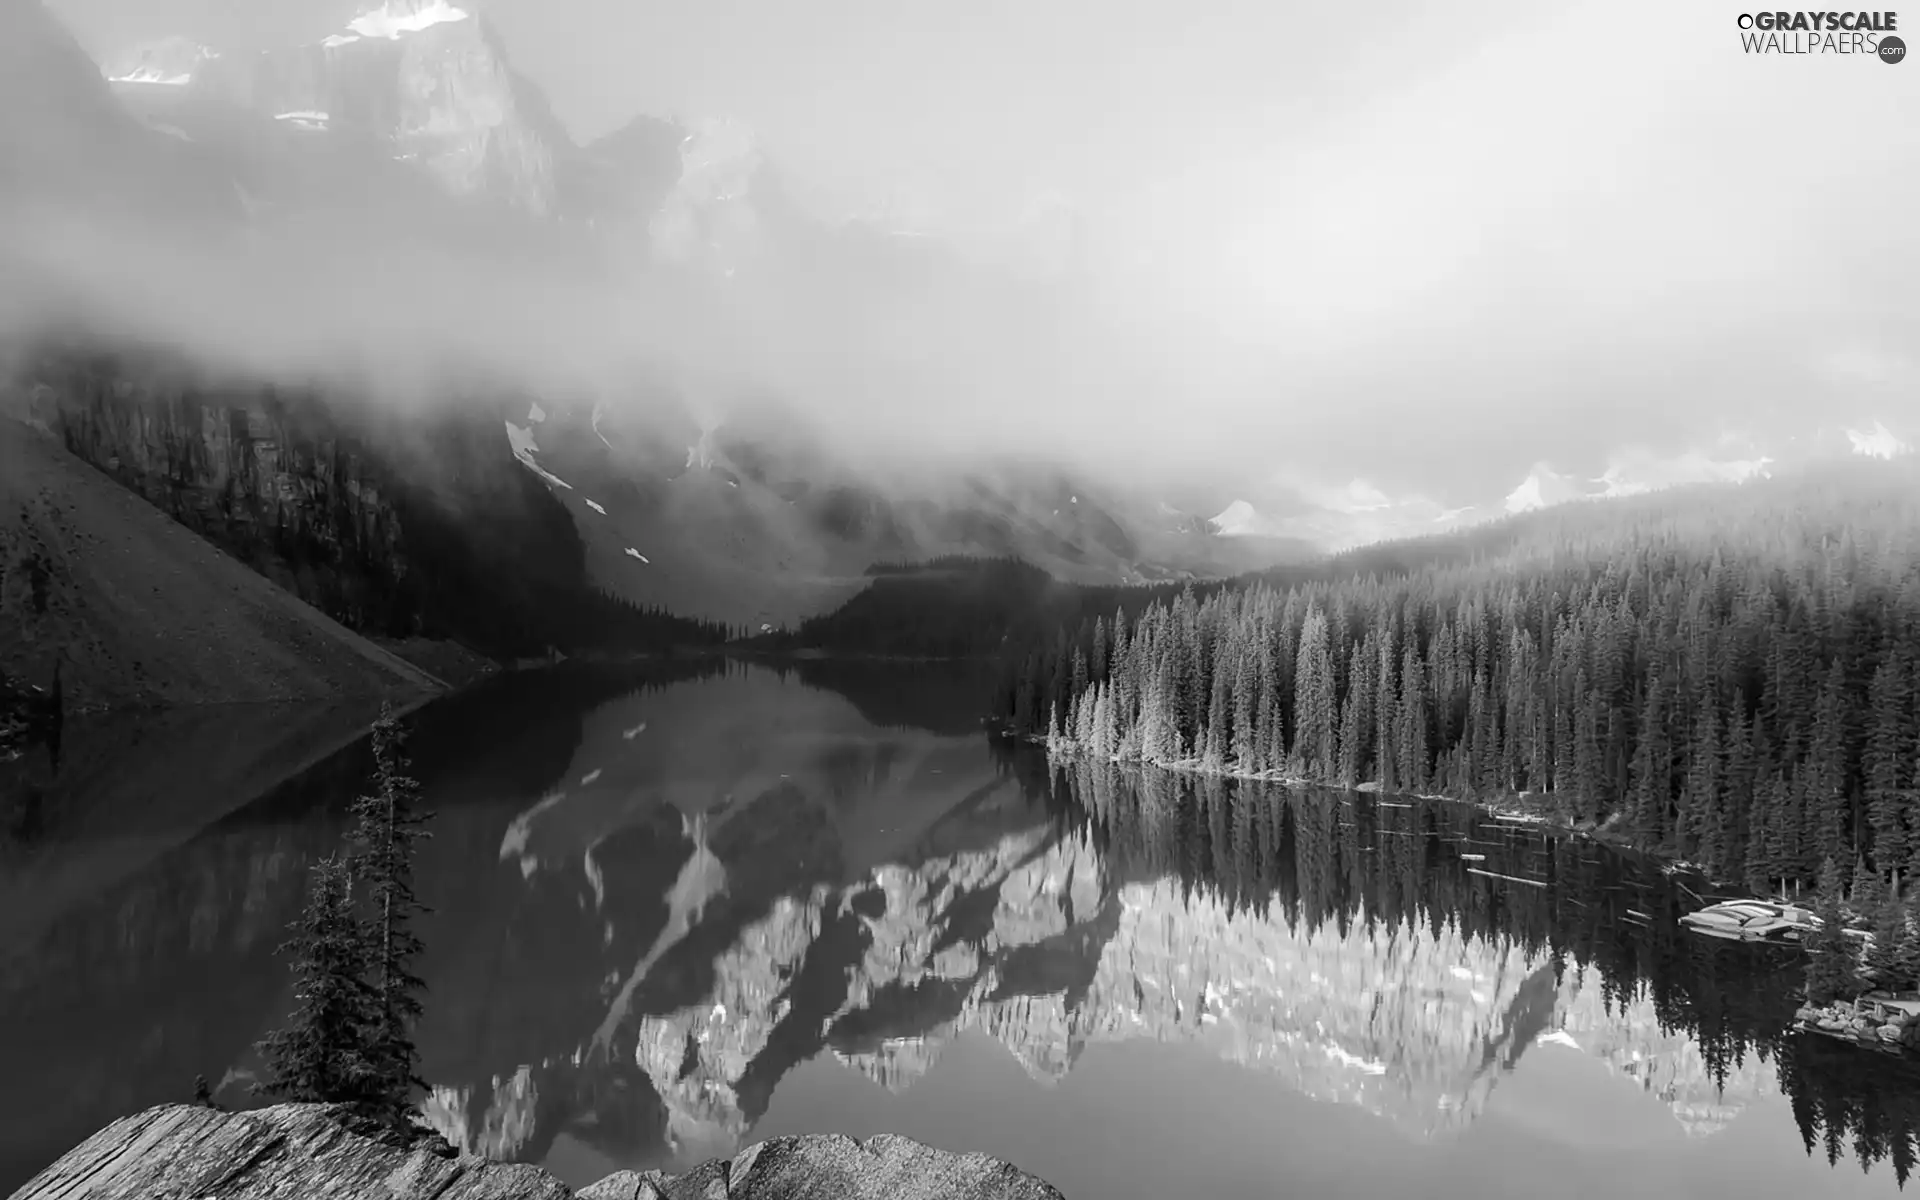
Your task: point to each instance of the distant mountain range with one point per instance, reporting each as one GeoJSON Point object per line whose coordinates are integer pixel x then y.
{"type": "Point", "coordinates": [1360, 513]}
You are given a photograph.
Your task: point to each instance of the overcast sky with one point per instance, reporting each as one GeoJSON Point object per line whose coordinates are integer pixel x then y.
{"type": "Point", "coordinates": [1421, 245]}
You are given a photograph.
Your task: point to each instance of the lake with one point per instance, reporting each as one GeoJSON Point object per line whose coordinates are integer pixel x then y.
{"type": "Point", "coordinates": [681, 908]}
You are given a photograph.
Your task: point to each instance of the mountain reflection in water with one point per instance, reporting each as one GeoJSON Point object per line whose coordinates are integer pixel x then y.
{"type": "Point", "coordinates": [677, 912]}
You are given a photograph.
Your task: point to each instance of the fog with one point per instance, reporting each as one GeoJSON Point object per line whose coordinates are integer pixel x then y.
{"type": "Point", "coordinates": [1402, 251]}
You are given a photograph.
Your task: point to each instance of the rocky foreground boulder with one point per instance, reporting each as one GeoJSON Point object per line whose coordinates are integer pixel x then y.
{"type": "Point", "coordinates": [305, 1151]}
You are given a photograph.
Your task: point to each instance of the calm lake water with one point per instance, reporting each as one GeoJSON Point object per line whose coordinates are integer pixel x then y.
{"type": "Point", "coordinates": [678, 912]}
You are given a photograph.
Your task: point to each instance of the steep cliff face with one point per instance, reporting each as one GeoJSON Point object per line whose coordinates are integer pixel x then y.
{"type": "Point", "coordinates": [400, 527]}
{"type": "Point", "coordinates": [267, 480]}
{"type": "Point", "coordinates": [132, 609]}
{"type": "Point", "coordinates": [421, 82]}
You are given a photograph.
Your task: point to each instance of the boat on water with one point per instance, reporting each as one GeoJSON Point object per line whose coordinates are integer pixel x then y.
{"type": "Point", "coordinates": [1753, 921]}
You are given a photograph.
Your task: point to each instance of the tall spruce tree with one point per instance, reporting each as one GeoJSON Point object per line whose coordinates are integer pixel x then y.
{"type": "Point", "coordinates": [326, 1052]}
{"type": "Point", "coordinates": [1887, 956]}
{"type": "Point", "coordinates": [388, 824]}
{"type": "Point", "coordinates": [1831, 963]}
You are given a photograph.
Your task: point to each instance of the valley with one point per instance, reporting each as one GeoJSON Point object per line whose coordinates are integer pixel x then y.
{"type": "Point", "coordinates": [882, 641]}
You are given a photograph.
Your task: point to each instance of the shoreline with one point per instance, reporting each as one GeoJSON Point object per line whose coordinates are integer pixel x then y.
{"type": "Point", "coordinates": [1513, 806]}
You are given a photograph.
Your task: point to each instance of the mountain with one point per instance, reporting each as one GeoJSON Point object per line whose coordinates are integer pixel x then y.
{"type": "Point", "coordinates": [755, 522]}
{"type": "Point", "coordinates": [1360, 513]}
{"type": "Point", "coordinates": [396, 526]}
{"type": "Point", "coordinates": [410, 128]}
{"type": "Point", "coordinates": [130, 607]}
{"type": "Point", "coordinates": [68, 145]}
{"type": "Point", "coordinates": [422, 82]}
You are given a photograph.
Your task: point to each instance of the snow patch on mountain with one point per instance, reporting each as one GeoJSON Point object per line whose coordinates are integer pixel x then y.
{"type": "Point", "coordinates": [600, 410]}
{"type": "Point", "coordinates": [1235, 520]}
{"type": "Point", "coordinates": [170, 62]}
{"type": "Point", "coordinates": [1635, 473]}
{"type": "Point", "coordinates": [152, 75]}
{"type": "Point", "coordinates": [524, 448]}
{"type": "Point", "coordinates": [397, 18]}
{"type": "Point", "coordinates": [1877, 442]}
{"type": "Point", "coordinates": [1242, 519]}
{"type": "Point", "coordinates": [1542, 486]}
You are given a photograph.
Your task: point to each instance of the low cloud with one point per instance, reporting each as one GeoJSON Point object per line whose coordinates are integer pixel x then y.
{"type": "Point", "coordinates": [1566, 230]}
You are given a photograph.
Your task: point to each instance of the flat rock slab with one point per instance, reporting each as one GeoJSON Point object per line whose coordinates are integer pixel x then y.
{"type": "Point", "coordinates": [303, 1152]}
{"type": "Point", "coordinates": [185, 1152]}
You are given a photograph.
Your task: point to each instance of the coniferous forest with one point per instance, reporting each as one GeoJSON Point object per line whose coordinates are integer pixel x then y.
{"type": "Point", "coordinates": [1728, 676]}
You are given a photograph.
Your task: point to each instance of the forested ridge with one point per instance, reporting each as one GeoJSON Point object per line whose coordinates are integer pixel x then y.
{"type": "Point", "coordinates": [956, 606]}
{"type": "Point", "coordinates": [1731, 676]}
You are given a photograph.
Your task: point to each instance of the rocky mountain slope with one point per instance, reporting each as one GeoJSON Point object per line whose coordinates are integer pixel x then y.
{"type": "Point", "coordinates": [422, 83]}
{"type": "Point", "coordinates": [763, 526]}
{"type": "Point", "coordinates": [133, 608]}
{"type": "Point", "coordinates": [424, 527]}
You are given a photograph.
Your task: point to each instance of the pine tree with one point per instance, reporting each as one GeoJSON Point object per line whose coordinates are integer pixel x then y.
{"type": "Point", "coordinates": [1886, 957]}
{"type": "Point", "coordinates": [1745, 699]}
{"type": "Point", "coordinates": [1907, 957]}
{"type": "Point", "coordinates": [389, 824]}
{"type": "Point", "coordinates": [1831, 965]}
{"type": "Point", "coordinates": [327, 1052]}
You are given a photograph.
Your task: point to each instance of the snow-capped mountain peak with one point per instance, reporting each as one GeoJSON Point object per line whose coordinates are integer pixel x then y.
{"type": "Point", "coordinates": [1877, 442]}
{"type": "Point", "coordinates": [1542, 487]}
{"type": "Point", "coordinates": [425, 82]}
{"type": "Point", "coordinates": [396, 18]}
{"type": "Point", "coordinates": [1236, 520]}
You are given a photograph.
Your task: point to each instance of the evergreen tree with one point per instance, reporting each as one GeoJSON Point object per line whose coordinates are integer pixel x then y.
{"type": "Point", "coordinates": [327, 1051]}
{"type": "Point", "coordinates": [389, 823]}
{"type": "Point", "coordinates": [1731, 680]}
{"type": "Point", "coordinates": [1887, 955]}
{"type": "Point", "coordinates": [1831, 963]}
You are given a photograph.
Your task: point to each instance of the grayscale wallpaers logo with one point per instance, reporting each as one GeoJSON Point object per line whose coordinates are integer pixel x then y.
{"type": "Point", "coordinates": [1868, 34]}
